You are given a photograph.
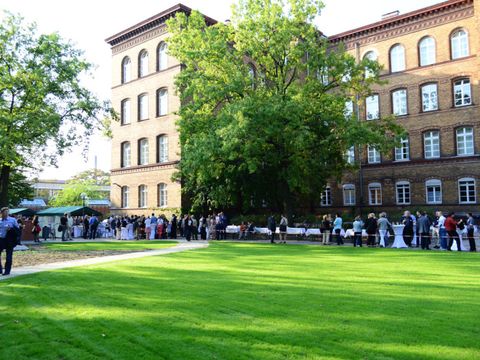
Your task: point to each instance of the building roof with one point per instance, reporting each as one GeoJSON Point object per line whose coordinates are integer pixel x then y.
{"type": "Point", "coordinates": [22, 211]}
{"type": "Point", "coordinates": [72, 210]}
{"type": "Point", "coordinates": [34, 202]}
{"type": "Point", "coordinates": [398, 20]}
{"type": "Point", "coordinates": [151, 23]}
{"type": "Point", "coordinates": [101, 202]}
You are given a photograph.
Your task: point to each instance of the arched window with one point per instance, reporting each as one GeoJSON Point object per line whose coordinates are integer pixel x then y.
{"type": "Point", "coordinates": [162, 57]}
{"type": "Point", "coordinates": [142, 196]}
{"type": "Point", "coordinates": [143, 63]}
{"type": "Point", "coordinates": [459, 44]}
{"type": "Point", "coordinates": [402, 189]}
{"type": "Point", "coordinates": [467, 192]}
{"type": "Point", "coordinates": [326, 199]}
{"type": "Point", "coordinates": [126, 154]}
{"type": "Point", "coordinates": [162, 102]}
{"type": "Point", "coordinates": [126, 70]}
{"type": "Point", "coordinates": [372, 107]}
{"type": "Point", "coordinates": [125, 196]}
{"type": "Point", "coordinates": [465, 141]}
{"type": "Point", "coordinates": [372, 56]}
{"type": "Point", "coordinates": [462, 92]}
{"type": "Point", "coordinates": [143, 152]}
{"type": "Point", "coordinates": [162, 195]}
{"type": "Point", "coordinates": [433, 189]}
{"type": "Point", "coordinates": [348, 194]}
{"type": "Point", "coordinates": [126, 111]}
{"type": "Point", "coordinates": [426, 48]}
{"type": "Point", "coordinates": [397, 58]}
{"type": "Point", "coordinates": [162, 148]}
{"type": "Point", "coordinates": [142, 107]}
{"type": "Point", "coordinates": [375, 194]}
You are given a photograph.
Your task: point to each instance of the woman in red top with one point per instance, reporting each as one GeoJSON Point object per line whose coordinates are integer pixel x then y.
{"type": "Point", "coordinates": [451, 228]}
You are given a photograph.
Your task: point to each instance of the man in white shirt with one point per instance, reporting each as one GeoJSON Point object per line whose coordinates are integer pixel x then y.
{"type": "Point", "coordinates": [442, 232]}
{"type": "Point", "coordinates": [8, 238]}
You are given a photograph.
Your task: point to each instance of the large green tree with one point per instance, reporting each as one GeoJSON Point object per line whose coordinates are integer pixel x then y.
{"type": "Point", "coordinates": [98, 177]}
{"type": "Point", "coordinates": [263, 116]}
{"type": "Point", "coordinates": [44, 109]}
{"type": "Point", "coordinates": [72, 193]}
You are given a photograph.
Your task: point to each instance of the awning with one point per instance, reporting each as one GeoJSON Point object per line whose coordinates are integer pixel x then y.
{"type": "Point", "coordinates": [22, 211]}
{"type": "Point", "coordinates": [72, 210]}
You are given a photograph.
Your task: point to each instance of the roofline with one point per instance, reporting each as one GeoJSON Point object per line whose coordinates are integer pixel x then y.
{"type": "Point", "coordinates": [152, 22]}
{"type": "Point", "coordinates": [397, 19]}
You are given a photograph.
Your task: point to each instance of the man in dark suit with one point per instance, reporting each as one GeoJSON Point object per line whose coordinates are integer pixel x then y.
{"type": "Point", "coordinates": [272, 226]}
{"type": "Point", "coordinates": [9, 235]}
{"type": "Point", "coordinates": [173, 231]}
{"type": "Point", "coordinates": [423, 230]}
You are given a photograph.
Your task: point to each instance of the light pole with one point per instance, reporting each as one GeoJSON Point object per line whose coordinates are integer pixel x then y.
{"type": "Point", "coordinates": [84, 197]}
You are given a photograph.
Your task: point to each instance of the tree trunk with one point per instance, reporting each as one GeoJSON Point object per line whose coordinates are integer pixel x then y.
{"type": "Point", "coordinates": [4, 181]}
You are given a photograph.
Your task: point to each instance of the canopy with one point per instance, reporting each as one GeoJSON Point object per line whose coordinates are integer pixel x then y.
{"type": "Point", "coordinates": [72, 210]}
{"type": "Point", "coordinates": [22, 211]}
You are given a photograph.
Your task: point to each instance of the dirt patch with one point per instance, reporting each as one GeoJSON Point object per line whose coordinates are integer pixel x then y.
{"type": "Point", "coordinates": [38, 255]}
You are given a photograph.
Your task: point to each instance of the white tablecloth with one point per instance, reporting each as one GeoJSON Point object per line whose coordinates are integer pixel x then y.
{"type": "Point", "coordinates": [349, 233]}
{"type": "Point", "coordinates": [294, 231]}
{"type": "Point", "coordinates": [313, 232]}
{"type": "Point", "coordinates": [124, 234]}
{"type": "Point", "coordinates": [130, 234]}
{"type": "Point", "coordinates": [264, 231]}
{"type": "Point", "coordinates": [232, 229]}
{"type": "Point", "coordinates": [398, 243]}
{"type": "Point", "coordinates": [77, 231]}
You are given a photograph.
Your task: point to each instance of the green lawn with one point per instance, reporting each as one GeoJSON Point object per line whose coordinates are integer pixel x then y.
{"type": "Point", "coordinates": [250, 301]}
{"type": "Point", "coordinates": [111, 245]}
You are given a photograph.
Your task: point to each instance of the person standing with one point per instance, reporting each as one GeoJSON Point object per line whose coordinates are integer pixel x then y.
{"type": "Point", "coordinates": [423, 230]}
{"type": "Point", "coordinates": [153, 226]}
{"type": "Point", "coordinates": [451, 227]}
{"type": "Point", "coordinates": [408, 229]}
{"type": "Point", "coordinates": [36, 229]}
{"type": "Point", "coordinates": [86, 226]}
{"type": "Point", "coordinates": [337, 228]}
{"type": "Point", "coordinates": [357, 231]}
{"type": "Point", "coordinates": [283, 229]}
{"type": "Point", "coordinates": [202, 225]}
{"type": "Point", "coordinates": [383, 226]}
{"type": "Point", "coordinates": [194, 228]}
{"type": "Point", "coordinates": [64, 226]}
{"type": "Point", "coordinates": [272, 226]}
{"type": "Point", "coordinates": [371, 229]}
{"type": "Point", "coordinates": [326, 229]}
{"type": "Point", "coordinates": [9, 234]}
{"type": "Point", "coordinates": [69, 226]}
{"type": "Point", "coordinates": [173, 222]}
{"type": "Point", "coordinates": [471, 232]}
{"type": "Point", "coordinates": [93, 226]}
{"type": "Point", "coordinates": [442, 231]}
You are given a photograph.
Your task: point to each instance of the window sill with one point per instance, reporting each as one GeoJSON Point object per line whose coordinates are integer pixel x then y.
{"type": "Point", "coordinates": [140, 120]}
{"type": "Point", "coordinates": [126, 124]}
{"type": "Point", "coordinates": [401, 161]}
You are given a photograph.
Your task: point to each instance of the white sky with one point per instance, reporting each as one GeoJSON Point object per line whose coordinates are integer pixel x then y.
{"type": "Point", "coordinates": [89, 22]}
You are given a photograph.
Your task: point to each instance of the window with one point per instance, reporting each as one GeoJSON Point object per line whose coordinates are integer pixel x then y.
{"type": "Point", "coordinates": [459, 44]}
{"type": "Point", "coordinates": [142, 196]}
{"type": "Point", "coordinates": [433, 190]}
{"type": "Point", "coordinates": [427, 51]}
{"type": "Point", "coordinates": [348, 108]}
{"type": "Point", "coordinates": [126, 154]}
{"type": "Point", "coordinates": [162, 148]}
{"type": "Point", "coordinates": [322, 75]}
{"type": "Point", "coordinates": [142, 107]}
{"type": "Point", "coordinates": [372, 57]}
{"type": "Point", "coordinates": [125, 112]}
{"type": "Point", "coordinates": [431, 143]}
{"type": "Point", "coordinates": [143, 63]}
{"type": "Point", "coordinates": [465, 141]}
{"type": "Point", "coordinates": [143, 152]}
{"type": "Point", "coordinates": [350, 155]}
{"type": "Point", "coordinates": [162, 57]}
{"type": "Point", "coordinates": [372, 107]}
{"type": "Point", "coordinates": [462, 92]}
{"type": "Point", "coordinates": [429, 97]}
{"type": "Point", "coordinates": [162, 102]}
{"type": "Point", "coordinates": [373, 155]}
{"type": "Point", "coordinates": [403, 192]}
{"type": "Point", "coordinates": [375, 194]}
{"type": "Point", "coordinates": [399, 102]}
{"type": "Point", "coordinates": [326, 199]}
{"type": "Point", "coordinates": [162, 195]}
{"type": "Point", "coordinates": [402, 153]}
{"type": "Point", "coordinates": [125, 196]}
{"type": "Point", "coordinates": [126, 70]}
{"type": "Point", "coordinates": [397, 58]}
{"type": "Point", "coordinates": [348, 194]}
{"type": "Point", "coordinates": [251, 75]}
{"type": "Point", "coordinates": [466, 191]}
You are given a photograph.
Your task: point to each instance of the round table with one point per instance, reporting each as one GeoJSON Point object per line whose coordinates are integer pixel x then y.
{"type": "Point", "coordinates": [398, 242]}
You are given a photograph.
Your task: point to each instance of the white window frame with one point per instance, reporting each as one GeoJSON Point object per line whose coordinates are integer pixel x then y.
{"type": "Point", "coordinates": [372, 56]}
{"type": "Point", "coordinates": [465, 141]}
{"type": "Point", "coordinates": [125, 193]}
{"type": "Point", "coordinates": [375, 194]}
{"type": "Point", "coordinates": [162, 56]}
{"type": "Point", "coordinates": [400, 102]}
{"type": "Point", "coordinates": [374, 156]}
{"type": "Point", "coordinates": [142, 196]}
{"type": "Point", "coordinates": [126, 112]}
{"type": "Point", "coordinates": [429, 97]}
{"type": "Point", "coordinates": [126, 149]}
{"type": "Point", "coordinates": [431, 144]}
{"type": "Point", "coordinates": [403, 153]}
{"type": "Point", "coordinates": [349, 195]}
{"type": "Point", "coordinates": [427, 51]}
{"type": "Point", "coordinates": [143, 107]}
{"type": "Point", "coordinates": [372, 107]}
{"type": "Point", "coordinates": [326, 198]}
{"type": "Point", "coordinates": [162, 101]}
{"type": "Point", "coordinates": [162, 143]}
{"type": "Point", "coordinates": [459, 44]}
{"type": "Point", "coordinates": [126, 70]}
{"type": "Point", "coordinates": [348, 108]}
{"type": "Point", "coordinates": [403, 186]}
{"type": "Point", "coordinates": [468, 182]}
{"type": "Point", "coordinates": [436, 185]}
{"type": "Point", "coordinates": [162, 195]}
{"type": "Point", "coordinates": [350, 155]}
{"type": "Point", "coordinates": [143, 64]}
{"type": "Point", "coordinates": [143, 150]}
{"type": "Point", "coordinates": [397, 58]}
{"type": "Point", "coordinates": [462, 93]}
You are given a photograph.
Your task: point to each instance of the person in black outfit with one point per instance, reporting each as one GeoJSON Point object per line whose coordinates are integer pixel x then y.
{"type": "Point", "coordinates": [408, 229]}
{"type": "Point", "coordinates": [64, 227]}
{"type": "Point", "coordinates": [9, 238]}
{"type": "Point", "coordinates": [272, 226]}
{"type": "Point", "coordinates": [173, 222]}
{"type": "Point", "coordinates": [371, 229]}
{"type": "Point", "coordinates": [86, 226]}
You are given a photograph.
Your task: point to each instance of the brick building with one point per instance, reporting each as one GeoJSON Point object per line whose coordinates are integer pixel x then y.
{"type": "Point", "coordinates": [431, 67]}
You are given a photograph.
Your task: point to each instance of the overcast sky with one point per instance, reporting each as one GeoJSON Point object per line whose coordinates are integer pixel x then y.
{"type": "Point", "coordinates": [89, 22]}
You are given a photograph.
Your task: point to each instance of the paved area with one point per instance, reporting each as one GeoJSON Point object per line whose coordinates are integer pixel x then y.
{"type": "Point", "coordinates": [182, 246]}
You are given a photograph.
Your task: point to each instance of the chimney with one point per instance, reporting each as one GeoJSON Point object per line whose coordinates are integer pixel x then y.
{"type": "Point", "coordinates": [390, 15]}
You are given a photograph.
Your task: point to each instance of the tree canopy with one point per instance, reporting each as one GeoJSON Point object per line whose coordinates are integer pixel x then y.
{"type": "Point", "coordinates": [71, 195]}
{"type": "Point", "coordinates": [264, 117]}
{"type": "Point", "coordinates": [44, 109]}
{"type": "Point", "coordinates": [97, 176]}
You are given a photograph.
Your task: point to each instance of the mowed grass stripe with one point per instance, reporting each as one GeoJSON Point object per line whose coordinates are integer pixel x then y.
{"type": "Point", "coordinates": [250, 301]}
{"type": "Point", "coordinates": [109, 245]}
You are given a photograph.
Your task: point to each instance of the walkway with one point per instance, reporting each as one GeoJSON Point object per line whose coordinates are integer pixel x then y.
{"type": "Point", "coordinates": [182, 246]}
